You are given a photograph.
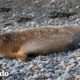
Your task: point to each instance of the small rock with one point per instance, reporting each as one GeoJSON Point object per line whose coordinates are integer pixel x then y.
{"type": "Point", "coordinates": [35, 76]}
{"type": "Point", "coordinates": [59, 78]}
{"type": "Point", "coordinates": [71, 61]}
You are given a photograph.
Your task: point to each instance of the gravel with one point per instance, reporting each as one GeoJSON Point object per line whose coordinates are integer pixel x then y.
{"type": "Point", "coordinates": [20, 14]}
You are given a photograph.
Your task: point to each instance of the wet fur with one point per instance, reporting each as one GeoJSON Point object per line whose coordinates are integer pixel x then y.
{"type": "Point", "coordinates": [39, 40]}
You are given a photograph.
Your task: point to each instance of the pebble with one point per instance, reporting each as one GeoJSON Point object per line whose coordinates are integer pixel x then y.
{"type": "Point", "coordinates": [35, 76]}
{"type": "Point", "coordinates": [71, 61]}
{"type": "Point", "coordinates": [59, 78]}
{"type": "Point", "coordinates": [43, 70]}
{"type": "Point", "coordinates": [30, 66]}
{"type": "Point", "coordinates": [40, 66]}
{"type": "Point", "coordinates": [49, 79]}
{"type": "Point", "coordinates": [78, 58]}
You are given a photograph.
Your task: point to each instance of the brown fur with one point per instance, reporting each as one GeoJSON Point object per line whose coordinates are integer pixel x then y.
{"type": "Point", "coordinates": [38, 40]}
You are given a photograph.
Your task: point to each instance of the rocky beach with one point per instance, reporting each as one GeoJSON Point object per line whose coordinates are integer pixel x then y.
{"type": "Point", "coordinates": [21, 14]}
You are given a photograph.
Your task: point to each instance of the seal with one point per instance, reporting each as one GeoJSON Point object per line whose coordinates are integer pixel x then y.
{"type": "Point", "coordinates": [39, 41]}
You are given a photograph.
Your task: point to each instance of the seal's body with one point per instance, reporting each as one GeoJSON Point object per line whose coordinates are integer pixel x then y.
{"type": "Point", "coordinates": [39, 40]}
